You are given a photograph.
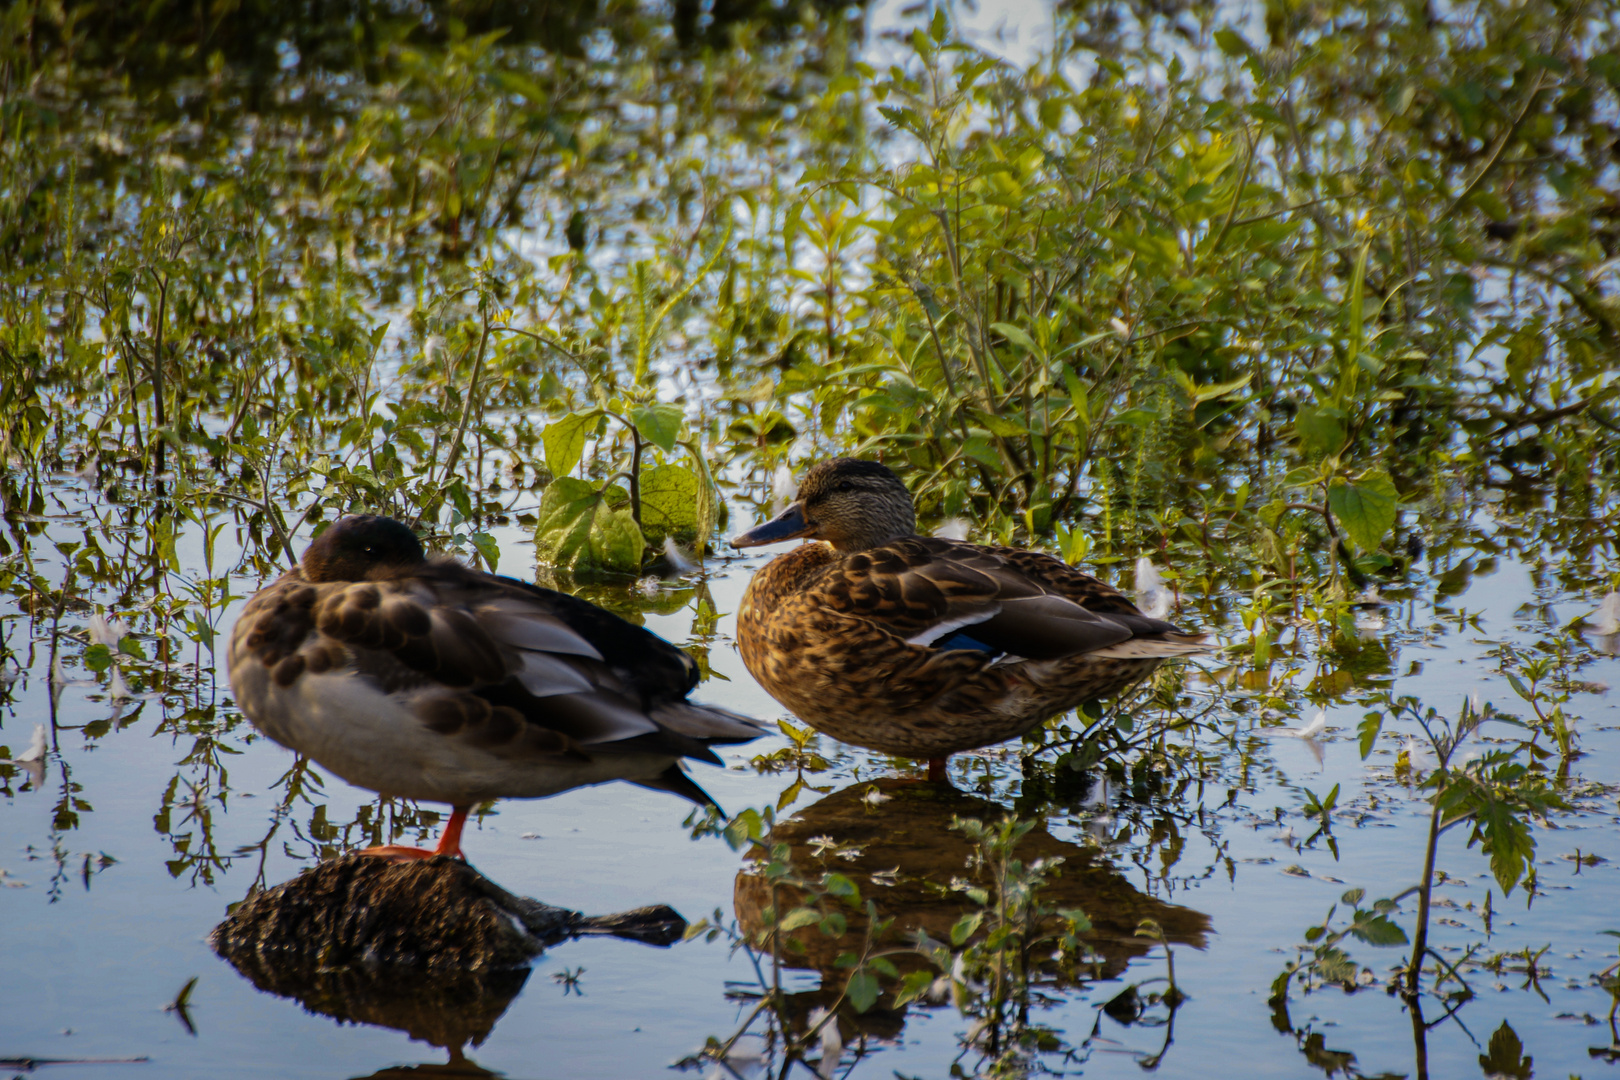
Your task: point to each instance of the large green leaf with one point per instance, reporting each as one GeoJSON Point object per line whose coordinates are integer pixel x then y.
{"type": "Point", "coordinates": [1364, 509]}
{"type": "Point", "coordinates": [670, 499]}
{"type": "Point", "coordinates": [1320, 429]}
{"type": "Point", "coordinates": [582, 528]}
{"type": "Point", "coordinates": [659, 424]}
{"type": "Point", "coordinates": [564, 441]}
{"type": "Point", "coordinates": [863, 991]}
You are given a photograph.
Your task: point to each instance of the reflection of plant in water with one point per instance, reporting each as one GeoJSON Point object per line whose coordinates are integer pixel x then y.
{"type": "Point", "coordinates": [799, 756]}
{"type": "Point", "coordinates": [903, 894]}
{"type": "Point", "coordinates": [1497, 793]}
{"type": "Point", "coordinates": [1329, 965]}
{"type": "Point", "coordinates": [987, 962]}
{"type": "Point", "coordinates": [1542, 681]}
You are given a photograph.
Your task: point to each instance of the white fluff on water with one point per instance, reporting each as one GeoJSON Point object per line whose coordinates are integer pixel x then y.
{"type": "Point", "coordinates": [783, 489]}
{"type": "Point", "coordinates": [1606, 619]}
{"type": "Point", "coordinates": [1152, 597]}
{"type": "Point", "coordinates": [108, 632]}
{"type": "Point", "coordinates": [677, 559]}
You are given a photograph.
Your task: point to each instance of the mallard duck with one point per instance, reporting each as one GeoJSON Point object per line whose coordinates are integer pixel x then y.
{"type": "Point", "coordinates": [922, 646]}
{"type": "Point", "coordinates": [421, 678]}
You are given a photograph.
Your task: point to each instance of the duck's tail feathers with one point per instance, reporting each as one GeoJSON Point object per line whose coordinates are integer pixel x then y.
{"type": "Point", "coordinates": [1160, 645]}
{"type": "Point", "coordinates": [675, 781]}
{"type": "Point", "coordinates": [706, 722]}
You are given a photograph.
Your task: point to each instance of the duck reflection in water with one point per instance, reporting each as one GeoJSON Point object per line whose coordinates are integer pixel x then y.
{"type": "Point", "coordinates": [429, 947]}
{"type": "Point", "coordinates": [453, 1010]}
{"type": "Point", "coordinates": [894, 839]}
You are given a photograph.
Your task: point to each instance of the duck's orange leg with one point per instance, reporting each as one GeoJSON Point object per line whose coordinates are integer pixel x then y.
{"type": "Point", "coordinates": [936, 768]}
{"type": "Point", "coordinates": [449, 842]}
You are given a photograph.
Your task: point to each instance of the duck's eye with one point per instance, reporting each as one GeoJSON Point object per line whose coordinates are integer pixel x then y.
{"type": "Point", "coordinates": [846, 486]}
{"type": "Point", "coordinates": [369, 550]}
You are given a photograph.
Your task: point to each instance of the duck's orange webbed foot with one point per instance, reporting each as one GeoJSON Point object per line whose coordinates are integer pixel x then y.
{"type": "Point", "coordinates": [449, 843]}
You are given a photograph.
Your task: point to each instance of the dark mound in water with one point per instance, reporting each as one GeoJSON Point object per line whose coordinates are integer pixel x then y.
{"type": "Point", "coordinates": [436, 914]}
{"type": "Point", "coordinates": [432, 948]}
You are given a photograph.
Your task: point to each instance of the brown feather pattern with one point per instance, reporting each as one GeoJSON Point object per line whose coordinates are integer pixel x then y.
{"type": "Point", "coordinates": [843, 639]}
{"type": "Point", "coordinates": [457, 650]}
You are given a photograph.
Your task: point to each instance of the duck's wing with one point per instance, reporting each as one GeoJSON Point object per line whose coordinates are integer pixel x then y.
{"type": "Point", "coordinates": [504, 665]}
{"type": "Point", "coordinates": [946, 594]}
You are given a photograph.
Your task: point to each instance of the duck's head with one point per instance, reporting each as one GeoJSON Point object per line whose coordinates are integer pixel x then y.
{"type": "Point", "coordinates": [851, 504]}
{"type": "Point", "coordinates": [362, 547]}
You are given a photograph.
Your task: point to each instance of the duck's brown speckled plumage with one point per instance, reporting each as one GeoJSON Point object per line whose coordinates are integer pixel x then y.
{"type": "Point", "coordinates": [425, 679]}
{"type": "Point", "coordinates": [850, 640]}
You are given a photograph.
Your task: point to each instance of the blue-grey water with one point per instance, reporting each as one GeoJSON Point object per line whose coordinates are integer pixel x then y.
{"type": "Point", "coordinates": [106, 918]}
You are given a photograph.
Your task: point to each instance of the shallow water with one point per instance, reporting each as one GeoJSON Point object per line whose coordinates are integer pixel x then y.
{"type": "Point", "coordinates": [106, 919]}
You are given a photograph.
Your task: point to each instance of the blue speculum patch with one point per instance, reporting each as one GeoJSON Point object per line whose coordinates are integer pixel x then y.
{"type": "Point", "coordinates": [960, 640]}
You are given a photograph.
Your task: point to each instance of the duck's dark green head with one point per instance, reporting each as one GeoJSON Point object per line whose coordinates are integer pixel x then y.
{"type": "Point", "coordinates": [851, 504]}
{"type": "Point", "coordinates": [361, 547]}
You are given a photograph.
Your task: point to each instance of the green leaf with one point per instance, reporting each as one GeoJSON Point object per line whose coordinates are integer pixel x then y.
{"type": "Point", "coordinates": [1136, 417]}
{"type": "Point", "coordinates": [1365, 509]}
{"type": "Point", "coordinates": [862, 990]}
{"type": "Point", "coordinates": [1016, 336]}
{"type": "Point", "coordinates": [131, 646]}
{"type": "Point", "coordinates": [659, 424]}
{"type": "Point", "coordinates": [1507, 840]}
{"type": "Point", "coordinates": [1320, 429]}
{"type": "Point", "coordinates": [800, 917]}
{"type": "Point", "coordinates": [1233, 43]}
{"type": "Point", "coordinates": [1367, 732]}
{"type": "Point", "coordinates": [1377, 930]}
{"type": "Point", "coordinates": [1079, 396]}
{"type": "Point", "coordinates": [1218, 390]}
{"type": "Point", "coordinates": [912, 987]}
{"type": "Point", "coordinates": [744, 828]}
{"type": "Point", "coordinates": [1157, 248]}
{"type": "Point", "coordinates": [97, 658]}
{"type": "Point", "coordinates": [670, 498]}
{"type": "Point", "coordinates": [1505, 1056]}
{"type": "Point", "coordinates": [1279, 986]}
{"type": "Point", "coordinates": [485, 543]}
{"type": "Point", "coordinates": [1004, 426]}
{"type": "Point", "coordinates": [965, 927]}
{"type": "Point", "coordinates": [580, 531]}
{"type": "Point", "coordinates": [1081, 921]}
{"type": "Point", "coordinates": [840, 885]}
{"type": "Point", "coordinates": [564, 441]}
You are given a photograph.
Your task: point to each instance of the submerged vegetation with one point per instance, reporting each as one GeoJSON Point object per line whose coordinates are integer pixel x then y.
{"type": "Point", "coordinates": [1312, 305]}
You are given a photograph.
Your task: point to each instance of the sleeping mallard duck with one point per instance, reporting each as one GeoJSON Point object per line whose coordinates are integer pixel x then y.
{"type": "Point", "coordinates": [921, 646]}
{"type": "Point", "coordinates": [420, 678]}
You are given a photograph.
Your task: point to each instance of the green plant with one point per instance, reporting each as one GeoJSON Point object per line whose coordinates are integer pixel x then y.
{"type": "Point", "coordinates": [1495, 794]}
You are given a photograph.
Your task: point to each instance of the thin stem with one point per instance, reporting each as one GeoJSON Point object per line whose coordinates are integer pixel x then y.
{"type": "Point", "coordinates": [472, 396]}
{"type": "Point", "coordinates": [1420, 937]}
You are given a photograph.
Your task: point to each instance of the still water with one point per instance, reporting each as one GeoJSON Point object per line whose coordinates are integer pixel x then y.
{"type": "Point", "coordinates": [121, 859]}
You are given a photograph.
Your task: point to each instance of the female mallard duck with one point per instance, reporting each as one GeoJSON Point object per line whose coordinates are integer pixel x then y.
{"type": "Point", "coordinates": [922, 646]}
{"type": "Point", "coordinates": [426, 680]}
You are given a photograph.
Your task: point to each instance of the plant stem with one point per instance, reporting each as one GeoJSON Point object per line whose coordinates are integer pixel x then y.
{"type": "Point", "coordinates": [467, 405]}
{"type": "Point", "coordinates": [157, 370]}
{"type": "Point", "coordinates": [635, 474]}
{"type": "Point", "coordinates": [1420, 937]}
